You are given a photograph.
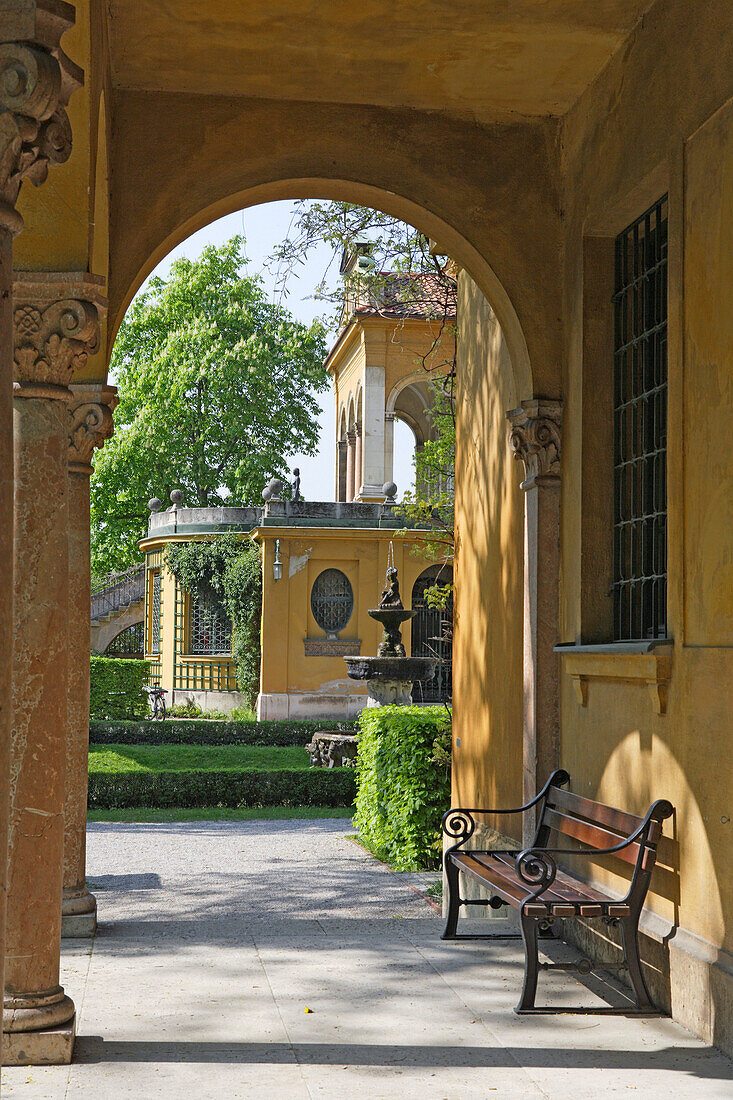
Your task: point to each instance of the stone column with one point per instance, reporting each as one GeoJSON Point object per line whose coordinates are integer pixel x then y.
{"type": "Point", "coordinates": [36, 82]}
{"type": "Point", "coordinates": [90, 425]}
{"type": "Point", "coordinates": [535, 440]}
{"type": "Point", "coordinates": [357, 462]}
{"type": "Point", "coordinates": [350, 464]}
{"type": "Point", "coordinates": [341, 447]}
{"type": "Point", "coordinates": [56, 326]}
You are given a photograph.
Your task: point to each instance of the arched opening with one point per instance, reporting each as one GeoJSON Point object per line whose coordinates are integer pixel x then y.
{"type": "Point", "coordinates": [432, 636]}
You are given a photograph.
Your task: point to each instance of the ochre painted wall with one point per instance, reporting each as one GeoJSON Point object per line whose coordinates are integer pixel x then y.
{"type": "Point", "coordinates": [620, 158]}
{"type": "Point", "coordinates": [287, 618]}
{"type": "Point", "coordinates": [487, 654]}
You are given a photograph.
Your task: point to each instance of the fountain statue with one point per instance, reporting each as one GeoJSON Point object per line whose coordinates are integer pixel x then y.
{"type": "Point", "coordinates": [390, 675]}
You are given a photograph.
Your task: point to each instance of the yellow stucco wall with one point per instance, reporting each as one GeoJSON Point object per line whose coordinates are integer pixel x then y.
{"type": "Point", "coordinates": [287, 618]}
{"type": "Point", "coordinates": [487, 669]}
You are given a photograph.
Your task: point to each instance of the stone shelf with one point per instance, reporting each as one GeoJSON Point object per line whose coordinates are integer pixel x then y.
{"type": "Point", "coordinates": [649, 663]}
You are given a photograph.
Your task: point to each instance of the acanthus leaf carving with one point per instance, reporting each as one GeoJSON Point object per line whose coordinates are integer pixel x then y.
{"type": "Point", "coordinates": [91, 422]}
{"type": "Point", "coordinates": [53, 339]}
{"type": "Point", "coordinates": [36, 82]}
{"type": "Point", "coordinates": [535, 438]}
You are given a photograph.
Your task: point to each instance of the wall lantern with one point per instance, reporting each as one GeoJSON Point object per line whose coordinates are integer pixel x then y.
{"type": "Point", "coordinates": [277, 565]}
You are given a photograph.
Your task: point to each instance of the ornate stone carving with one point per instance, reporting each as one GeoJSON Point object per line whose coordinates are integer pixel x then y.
{"type": "Point", "coordinates": [56, 326]}
{"type": "Point", "coordinates": [36, 83]}
{"type": "Point", "coordinates": [536, 437]}
{"type": "Point", "coordinates": [91, 423]}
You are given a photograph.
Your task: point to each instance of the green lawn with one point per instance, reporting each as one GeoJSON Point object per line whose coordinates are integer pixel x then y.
{"type": "Point", "coordinates": [250, 813]}
{"type": "Point", "coordinates": [112, 759]}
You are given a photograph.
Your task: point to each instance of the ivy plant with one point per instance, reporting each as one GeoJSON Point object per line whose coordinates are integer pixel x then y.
{"type": "Point", "coordinates": [228, 571]}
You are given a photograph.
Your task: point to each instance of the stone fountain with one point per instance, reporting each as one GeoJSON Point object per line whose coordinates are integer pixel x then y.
{"type": "Point", "coordinates": [390, 675]}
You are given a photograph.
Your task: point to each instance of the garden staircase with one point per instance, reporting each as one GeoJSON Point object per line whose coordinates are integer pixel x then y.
{"type": "Point", "coordinates": [120, 592]}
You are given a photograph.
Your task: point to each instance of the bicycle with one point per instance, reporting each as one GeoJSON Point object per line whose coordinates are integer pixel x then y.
{"type": "Point", "coordinates": [156, 698]}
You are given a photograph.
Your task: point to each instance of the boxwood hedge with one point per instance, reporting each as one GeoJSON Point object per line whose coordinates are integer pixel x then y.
{"type": "Point", "coordinates": [318, 787]}
{"type": "Point", "coordinates": [116, 689]}
{"type": "Point", "coordinates": [403, 784]}
{"type": "Point", "coordinates": [186, 731]}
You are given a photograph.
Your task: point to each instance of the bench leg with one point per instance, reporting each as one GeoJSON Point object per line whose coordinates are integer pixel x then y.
{"type": "Point", "coordinates": [531, 964]}
{"type": "Point", "coordinates": [630, 935]}
{"type": "Point", "coordinates": [454, 900]}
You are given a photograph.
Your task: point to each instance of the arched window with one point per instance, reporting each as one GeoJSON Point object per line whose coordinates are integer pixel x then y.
{"type": "Point", "coordinates": [332, 601]}
{"type": "Point", "coordinates": [210, 630]}
{"type": "Point", "coordinates": [432, 636]}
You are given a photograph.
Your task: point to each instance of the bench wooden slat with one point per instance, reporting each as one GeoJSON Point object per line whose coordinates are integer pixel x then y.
{"type": "Point", "coordinates": [589, 834]}
{"type": "Point", "coordinates": [559, 892]}
{"type": "Point", "coordinates": [617, 820]}
{"type": "Point", "coordinates": [506, 872]}
{"type": "Point", "coordinates": [467, 862]}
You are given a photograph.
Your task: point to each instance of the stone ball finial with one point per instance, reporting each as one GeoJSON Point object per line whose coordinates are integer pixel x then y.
{"type": "Point", "coordinates": [177, 496]}
{"type": "Point", "coordinates": [390, 491]}
{"type": "Point", "coordinates": [275, 487]}
{"type": "Point", "coordinates": [266, 494]}
{"type": "Point", "coordinates": [155, 504]}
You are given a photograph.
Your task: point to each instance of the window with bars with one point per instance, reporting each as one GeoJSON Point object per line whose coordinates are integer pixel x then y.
{"type": "Point", "coordinates": [155, 613]}
{"type": "Point", "coordinates": [640, 428]}
{"type": "Point", "coordinates": [210, 630]}
{"type": "Point", "coordinates": [332, 600]}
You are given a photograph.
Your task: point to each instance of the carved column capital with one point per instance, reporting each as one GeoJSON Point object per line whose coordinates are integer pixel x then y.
{"type": "Point", "coordinates": [36, 83]}
{"type": "Point", "coordinates": [90, 425]}
{"type": "Point", "coordinates": [535, 439]}
{"type": "Point", "coordinates": [56, 326]}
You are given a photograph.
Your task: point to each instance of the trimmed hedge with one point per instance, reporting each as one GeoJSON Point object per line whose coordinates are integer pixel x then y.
{"type": "Point", "coordinates": [403, 784]}
{"type": "Point", "coordinates": [319, 787]}
{"type": "Point", "coordinates": [116, 689]}
{"type": "Point", "coordinates": [186, 731]}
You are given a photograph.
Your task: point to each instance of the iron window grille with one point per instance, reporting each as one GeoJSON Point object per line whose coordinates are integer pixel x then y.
{"type": "Point", "coordinates": [432, 637]}
{"type": "Point", "coordinates": [210, 631]}
{"type": "Point", "coordinates": [155, 614]}
{"type": "Point", "coordinates": [640, 428]}
{"type": "Point", "coordinates": [332, 601]}
{"type": "Point", "coordinates": [129, 642]}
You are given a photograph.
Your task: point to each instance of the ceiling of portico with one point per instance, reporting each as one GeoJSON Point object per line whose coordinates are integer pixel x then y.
{"type": "Point", "coordinates": [476, 59]}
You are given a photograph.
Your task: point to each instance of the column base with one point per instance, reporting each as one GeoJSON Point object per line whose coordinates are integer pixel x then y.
{"type": "Point", "coordinates": [78, 913]}
{"type": "Point", "coordinates": [51, 1046]}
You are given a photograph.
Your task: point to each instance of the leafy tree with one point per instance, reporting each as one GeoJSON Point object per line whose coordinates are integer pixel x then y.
{"type": "Point", "coordinates": [217, 390]}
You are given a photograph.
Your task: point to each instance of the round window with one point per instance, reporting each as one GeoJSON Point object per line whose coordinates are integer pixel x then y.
{"type": "Point", "coordinates": [332, 600]}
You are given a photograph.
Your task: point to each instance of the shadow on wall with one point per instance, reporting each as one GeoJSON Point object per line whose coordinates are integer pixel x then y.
{"type": "Point", "coordinates": [488, 665]}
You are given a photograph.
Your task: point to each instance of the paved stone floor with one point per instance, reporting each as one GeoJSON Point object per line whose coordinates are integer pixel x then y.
{"type": "Point", "coordinates": [215, 938]}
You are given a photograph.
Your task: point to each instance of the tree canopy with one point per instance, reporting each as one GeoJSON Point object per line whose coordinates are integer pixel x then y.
{"type": "Point", "coordinates": [217, 390]}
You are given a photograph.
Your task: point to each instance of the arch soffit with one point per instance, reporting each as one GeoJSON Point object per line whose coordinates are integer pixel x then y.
{"type": "Point", "coordinates": [449, 240]}
{"type": "Point", "coordinates": [403, 384]}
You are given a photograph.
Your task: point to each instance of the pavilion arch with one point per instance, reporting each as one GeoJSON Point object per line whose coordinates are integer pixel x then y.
{"type": "Point", "coordinates": [418, 419]}
{"type": "Point", "coordinates": [447, 238]}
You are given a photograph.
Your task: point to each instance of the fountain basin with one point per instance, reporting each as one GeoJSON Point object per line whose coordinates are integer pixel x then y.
{"type": "Point", "coordinates": [405, 669]}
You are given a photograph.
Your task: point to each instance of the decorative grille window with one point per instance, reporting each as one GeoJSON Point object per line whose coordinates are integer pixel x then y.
{"type": "Point", "coordinates": [155, 614]}
{"type": "Point", "coordinates": [128, 643]}
{"type": "Point", "coordinates": [640, 428]}
{"type": "Point", "coordinates": [210, 630]}
{"type": "Point", "coordinates": [332, 601]}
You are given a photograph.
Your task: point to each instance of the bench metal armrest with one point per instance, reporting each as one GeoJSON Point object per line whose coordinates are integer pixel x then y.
{"type": "Point", "coordinates": [458, 823]}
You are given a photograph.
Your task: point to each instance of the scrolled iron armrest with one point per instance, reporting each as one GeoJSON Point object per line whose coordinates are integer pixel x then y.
{"type": "Point", "coordinates": [458, 822]}
{"type": "Point", "coordinates": [458, 825]}
{"type": "Point", "coordinates": [536, 868]}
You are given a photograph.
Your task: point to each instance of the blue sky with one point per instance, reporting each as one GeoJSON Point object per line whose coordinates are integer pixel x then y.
{"type": "Point", "coordinates": [263, 227]}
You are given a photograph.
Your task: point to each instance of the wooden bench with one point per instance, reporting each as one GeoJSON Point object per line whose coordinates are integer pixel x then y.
{"type": "Point", "coordinates": [531, 881]}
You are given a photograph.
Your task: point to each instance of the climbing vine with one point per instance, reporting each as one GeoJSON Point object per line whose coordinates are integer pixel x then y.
{"type": "Point", "coordinates": [228, 571]}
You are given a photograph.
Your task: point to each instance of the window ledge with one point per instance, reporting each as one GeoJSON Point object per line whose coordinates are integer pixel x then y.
{"type": "Point", "coordinates": [647, 663]}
